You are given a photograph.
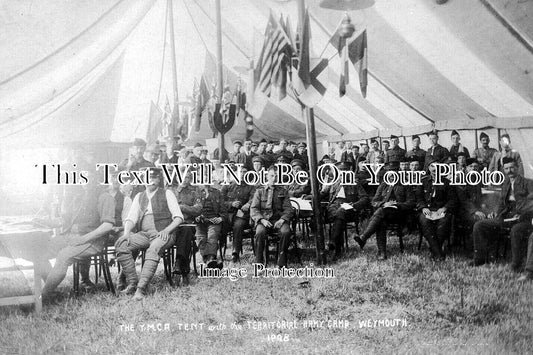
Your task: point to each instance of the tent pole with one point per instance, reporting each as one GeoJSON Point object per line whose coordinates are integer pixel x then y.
{"type": "Point", "coordinates": [174, 68]}
{"type": "Point", "coordinates": [475, 138]}
{"type": "Point", "coordinates": [220, 78]}
{"type": "Point", "coordinates": [311, 141]}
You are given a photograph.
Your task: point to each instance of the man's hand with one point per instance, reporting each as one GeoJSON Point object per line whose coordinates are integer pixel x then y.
{"type": "Point", "coordinates": [236, 204]}
{"type": "Point", "coordinates": [245, 208]}
{"type": "Point", "coordinates": [164, 235]}
{"type": "Point", "coordinates": [279, 223]}
{"type": "Point", "coordinates": [389, 203]}
{"type": "Point", "coordinates": [492, 215]}
{"type": "Point", "coordinates": [426, 212]}
{"type": "Point", "coordinates": [216, 220]}
{"type": "Point", "coordinates": [266, 223]}
{"type": "Point", "coordinates": [441, 211]}
{"type": "Point", "coordinates": [479, 215]}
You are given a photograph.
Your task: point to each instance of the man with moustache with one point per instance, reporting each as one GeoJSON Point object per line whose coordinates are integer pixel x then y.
{"type": "Point", "coordinates": [515, 210]}
{"type": "Point", "coordinates": [484, 153]}
{"type": "Point", "coordinates": [155, 214]}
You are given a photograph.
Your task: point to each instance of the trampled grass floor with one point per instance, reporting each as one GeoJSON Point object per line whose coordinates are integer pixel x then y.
{"type": "Point", "coordinates": [444, 308]}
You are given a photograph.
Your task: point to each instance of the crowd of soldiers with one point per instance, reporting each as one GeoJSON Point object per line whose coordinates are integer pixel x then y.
{"type": "Point", "coordinates": [162, 215]}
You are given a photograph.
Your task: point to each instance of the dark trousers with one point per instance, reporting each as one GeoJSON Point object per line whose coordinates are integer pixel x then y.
{"type": "Point", "coordinates": [379, 222]}
{"type": "Point", "coordinates": [487, 231]}
{"type": "Point", "coordinates": [436, 232]}
{"type": "Point", "coordinates": [340, 217]}
{"type": "Point", "coordinates": [261, 239]}
{"type": "Point", "coordinates": [239, 225]}
{"type": "Point", "coordinates": [184, 238]}
{"type": "Point", "coordinates": [529, 260]}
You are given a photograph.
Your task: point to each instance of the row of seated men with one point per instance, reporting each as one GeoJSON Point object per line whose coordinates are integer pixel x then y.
{"type": "Point", "coordinates": [156, 213]}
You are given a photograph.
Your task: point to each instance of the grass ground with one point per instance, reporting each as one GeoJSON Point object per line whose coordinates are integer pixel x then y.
{"type": "Point", "coordinates": [444, 307]}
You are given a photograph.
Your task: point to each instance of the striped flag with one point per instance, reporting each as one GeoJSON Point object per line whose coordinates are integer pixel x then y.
{"type": "Point", "coordinates": [353, 49]}
{"type": "Point", "coordinates": [269, 69]}
{"type": "Point", "coordinates": [200, 99]}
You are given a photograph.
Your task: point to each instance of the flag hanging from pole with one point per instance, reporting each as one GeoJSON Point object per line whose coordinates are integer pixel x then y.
{"type": "Point", "coordinates": [269, 69]}
{"type": "Point", "coordinates": [353, 49]}
{"type": "Point", "coordinates": [304, 52]}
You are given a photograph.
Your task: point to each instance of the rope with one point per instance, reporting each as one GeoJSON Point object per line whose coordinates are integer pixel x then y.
{"type": "Point", "coordinates": [163, 59]}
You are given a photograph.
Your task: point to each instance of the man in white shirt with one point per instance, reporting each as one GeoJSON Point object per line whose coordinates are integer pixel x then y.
{"type": "Point", "coordinates": [155, 214]}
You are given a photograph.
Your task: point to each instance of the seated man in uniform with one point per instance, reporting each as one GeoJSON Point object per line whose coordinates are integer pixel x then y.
{"type": "Point", "coordinates": [469, 205]}
{"type": "Point", "coordinates": [515, 210]}
{"type": "Point", "coordinates": [338, 212]}
{"type": "Point", "coordinates": [392, 204]}
{"type": "Point", "coordinates": [209, 225]}
{"type": "Point", "coordinates": [155, 214]}
{"type": "Point", "coordinates": [89, 217]}
{"type": "Point", "coordinates": [237, 199]}
{"type": "Point", "coordinates": [191, 206]}
{"type": "Point", "coordinates": [271, 210]}
{"type": "Point", "coordinates": [436, 204]}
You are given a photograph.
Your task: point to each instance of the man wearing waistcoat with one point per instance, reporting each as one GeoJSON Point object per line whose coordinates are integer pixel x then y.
{"type": "Point", "coordinates": [155, 214]}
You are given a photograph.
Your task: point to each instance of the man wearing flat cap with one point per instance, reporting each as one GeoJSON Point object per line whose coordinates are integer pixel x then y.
{"type": "Point", "coordinates": [515, 210]}
{"type": "Point", "coordinates": [155, 215]}
{"type": "Point", "coordinates": [301, 154]}
{"type": "Point", "coordinates": [457, 147]}
{"type": "Point", "coordinates": [484, 153]}
{"type": "Point", "coordinates": [195, 158]}
{"type": "Point", "coordinates": [416, 152]}
{"type": "Point", "coordinates": [436, 152]}
{"type": "Point", "coordinates": [344, 204]}
{"type": "Point", "coordinates": [136, 162]}
{"type": "Point", "coordinates": [395, 154]}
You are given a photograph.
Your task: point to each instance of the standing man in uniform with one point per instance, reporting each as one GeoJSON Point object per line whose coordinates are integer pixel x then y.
{"type": "Point", "coordinates": [436, 152]}
{"type": "Point", "coordinates": [395, 154]}
{"type": "Point", "coordinates": [485, 153]}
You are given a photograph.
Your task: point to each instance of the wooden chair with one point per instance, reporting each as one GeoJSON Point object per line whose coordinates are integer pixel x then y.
{"type": "Point", "coordinates": [101, 264]}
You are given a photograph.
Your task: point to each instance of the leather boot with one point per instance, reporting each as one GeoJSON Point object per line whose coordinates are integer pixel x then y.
{"type": "Point", "coordinates": [381, 240]}
{"type": "Point", "coordinates": [436, 251]}
{"type": "Point", "coordinates": [128, 268]}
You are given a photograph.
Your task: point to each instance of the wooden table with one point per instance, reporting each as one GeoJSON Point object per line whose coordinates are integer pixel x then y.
{"type": "Point", "coordinates": [24, 241]}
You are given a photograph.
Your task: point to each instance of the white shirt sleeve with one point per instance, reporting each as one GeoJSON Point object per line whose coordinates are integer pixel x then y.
{"type": "Point", "coordinates": [126, 208]}
{"type": "Point", "coordinates": [173, 205]}
{"type": "Point", "coordinates": [135, 209]}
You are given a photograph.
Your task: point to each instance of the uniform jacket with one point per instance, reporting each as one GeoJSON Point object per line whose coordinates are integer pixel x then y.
{"type": "Point", "coordinates": [394, 154]}
{"type": "Point", "coordinates": [403, 195]}
{"type": "Point", "coordinates": [355, 195]}
{"type": "Point", "coordinates": [436, 196]}
{"type": "Point", "coordinates": [279, 207]}
{"type": "Point", "coordinates": [496, 162]}
{"type": "Point", "coordinates": [438, 152]}
{"type": "Point", "coordinates": [235, 192]}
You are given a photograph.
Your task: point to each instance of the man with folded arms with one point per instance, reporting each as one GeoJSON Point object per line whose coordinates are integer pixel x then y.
{"type": "Point", "coordinates": [515, 210]}
{"type": "Point", "coordinates": [155, 214]}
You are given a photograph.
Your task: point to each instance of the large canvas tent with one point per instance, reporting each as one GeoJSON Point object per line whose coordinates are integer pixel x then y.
{"type": "Point", "coordinates": [88, 72]}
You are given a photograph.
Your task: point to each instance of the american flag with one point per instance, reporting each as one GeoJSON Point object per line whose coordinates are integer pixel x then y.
{"type": "Point", "coordinates": [276, 49]}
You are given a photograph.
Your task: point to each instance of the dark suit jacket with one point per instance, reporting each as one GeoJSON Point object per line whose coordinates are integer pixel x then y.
{"type": "Point", "coordinates": [403, 195]}
{"type": "Point", "coordinates": [436, 196]}
{"type": "Point", "coordinates": [523, 193]}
